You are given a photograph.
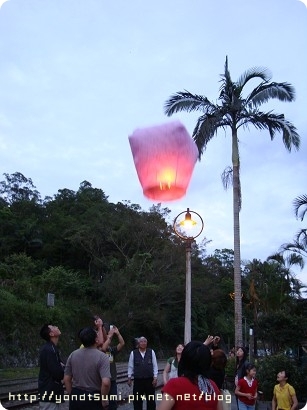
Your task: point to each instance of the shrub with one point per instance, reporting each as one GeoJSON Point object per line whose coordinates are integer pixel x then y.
{"type": "Point", "coordinates": [267, 369]}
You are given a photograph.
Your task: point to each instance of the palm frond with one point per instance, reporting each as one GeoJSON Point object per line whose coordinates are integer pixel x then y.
{"type": "Point", "coordinates": [254, 72]}
{"type": "Point", "coordinates": [206, 127]}
{"type": "Point", "coordinates": [227, 178]}
{"type": "Point", "coordinates": [227, 85]}
{"type": "Point", "coordinates": [301, 238]}
{"type": "Point", "coordinates": [287, 261]}
{"type": "Point", "coordinates": [226, 74]}
{"type": "Point", "coordinates": [276, 257]}
{"type": "Point", "coordinates": [296, 246]}
{"type": "Point", "coordinates": [185, 101]}
{"type": "Point", "coordinates": [266, 91]}
{"type": "Point", "coordinates": [295, 260]}
{"type": "Point", "coordinates": [273, 123]}
{"type": "Point", "coordinates": [300, 201]}
{"type": "Point", "coordinates": [227, 181]}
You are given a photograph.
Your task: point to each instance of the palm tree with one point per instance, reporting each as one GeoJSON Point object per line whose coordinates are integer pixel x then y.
{"type": "Point", "coordinates": [284, 265]}
{"type": "Point", "coordinates": [299, 245]}
{"type": "Point", "coordinates": [235, 111]}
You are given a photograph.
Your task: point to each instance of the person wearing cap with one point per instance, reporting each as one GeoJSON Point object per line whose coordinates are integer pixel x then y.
{"type": "Point", "coordinates": [87, 374]}
{"type": "Point", "coordinates": [144, 367]}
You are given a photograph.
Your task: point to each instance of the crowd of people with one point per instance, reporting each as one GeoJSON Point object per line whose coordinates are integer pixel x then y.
{"type": "Point", "coordinates": [193, 378]}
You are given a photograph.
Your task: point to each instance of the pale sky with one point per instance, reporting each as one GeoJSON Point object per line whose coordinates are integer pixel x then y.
{"type": "Point", "coordinates": [78, 77]}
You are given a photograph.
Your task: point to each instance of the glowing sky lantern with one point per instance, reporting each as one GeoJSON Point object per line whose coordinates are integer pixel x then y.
{"type": "Point", "coordinates": [164, 158]}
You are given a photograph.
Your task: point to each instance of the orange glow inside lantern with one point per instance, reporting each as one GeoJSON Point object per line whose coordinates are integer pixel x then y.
{"type": "Point", "coordinates": [164, 157]}
{"type": "Point", "coordinates": [166, 178]}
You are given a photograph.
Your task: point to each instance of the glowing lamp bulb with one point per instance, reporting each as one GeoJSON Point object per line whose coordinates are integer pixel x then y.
{"type": "Point", "coordinates": [188, 222]}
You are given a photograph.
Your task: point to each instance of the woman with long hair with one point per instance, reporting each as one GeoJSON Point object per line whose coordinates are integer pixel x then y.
{"type": "Point", "coordinates": [241, 363]}
{"type": "Point", "coordinates": [192, 389]}
{"type": "Point", "coordinates": [171, 369]}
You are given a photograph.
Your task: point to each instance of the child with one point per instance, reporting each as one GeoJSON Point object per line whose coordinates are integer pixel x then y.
{"type": "Point", "coordinates": [246, 390]}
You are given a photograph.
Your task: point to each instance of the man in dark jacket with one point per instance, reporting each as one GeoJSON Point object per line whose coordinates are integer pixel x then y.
{"type": "Point", "coordinates": [143, 365]}
{"type": "Point", "coordinates": [51, 372]}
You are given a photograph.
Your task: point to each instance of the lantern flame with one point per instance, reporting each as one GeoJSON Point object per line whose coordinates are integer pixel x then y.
{"type": "Point", "coordinates": [166, 178]}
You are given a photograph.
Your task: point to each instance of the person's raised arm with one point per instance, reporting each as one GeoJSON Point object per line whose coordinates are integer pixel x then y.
{"type": "Point", "coordinates": [209, 340]}
{"type": "Point", "coordinates": [100, 330]}
{"type": "Point", "coordinates": [121, 342]}
{"type": "Point", "coordinates": [107, 341]}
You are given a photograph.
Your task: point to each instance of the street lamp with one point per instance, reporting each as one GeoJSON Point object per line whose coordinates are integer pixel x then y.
{"type": "Point", "coordinates": [194, 229]}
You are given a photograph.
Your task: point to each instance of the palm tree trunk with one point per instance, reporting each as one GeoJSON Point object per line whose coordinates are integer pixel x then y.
{"type": "Point", "coordinates": [236, 240]}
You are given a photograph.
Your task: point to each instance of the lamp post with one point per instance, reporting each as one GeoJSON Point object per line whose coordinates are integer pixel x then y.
{"type": "Point", "coordinates": [193, 232]}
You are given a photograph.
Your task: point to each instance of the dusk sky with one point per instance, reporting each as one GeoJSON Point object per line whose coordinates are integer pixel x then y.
{"type": "Point", "coordinates": [78, 77]}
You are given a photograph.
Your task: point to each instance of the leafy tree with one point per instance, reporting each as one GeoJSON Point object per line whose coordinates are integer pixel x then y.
{"type": "Point", "coordinates": [273, 300]}
{"type": "Point", "coordinates": [214, 283]}
{"type": "Point", "coordinates": [16, 187]}
{"type": "Point", "coordinates": [284, 265]}
{"type": "Point", "coordinates": [20, 215]}
{"type": "Point", "coordinates": [274, 329]}
{"type": "Point", "coordinates": [124, 263]}
{"type": "Point", "coordinates": [236, 111]}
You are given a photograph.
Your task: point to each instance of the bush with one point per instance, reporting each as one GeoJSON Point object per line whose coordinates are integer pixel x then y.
{"type": "Point", "coordinates": [267, 369]}
{"type": "Point", "coordinates": [230, 367]}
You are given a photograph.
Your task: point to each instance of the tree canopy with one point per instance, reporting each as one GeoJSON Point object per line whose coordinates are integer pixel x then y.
{"type": "Point", "coordinates": [124, 263]}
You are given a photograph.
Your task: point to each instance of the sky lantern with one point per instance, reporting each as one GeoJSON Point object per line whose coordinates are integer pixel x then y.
{"type": "Point", "coordinates": [164, 157]}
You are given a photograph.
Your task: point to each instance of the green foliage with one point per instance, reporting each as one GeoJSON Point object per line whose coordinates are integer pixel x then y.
{"type": "Point", "coordinates": [230, 367]}
{"type": "Point", "coordinates": [120, 262]}
{"type": "Point", "coordinates": [18, 266]}
{"type": "Point", "coordinates": [64, 282]}
{"type": "Point", "coordinates": [284, 334]}
{"type": "Point", "coordinates": [267, 369]}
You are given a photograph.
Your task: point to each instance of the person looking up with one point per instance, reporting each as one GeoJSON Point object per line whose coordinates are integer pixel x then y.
{"type": "Point", "coordinates": [87, 374]}
{"type": "Point", "coordinates": [192, 389]}
{"type": "Point", "coordinates": [284, 396]}
{"type": "Point", "coordinates": [112, 352]}
{"type": "Point", "coordinates": [171, 367]}
{"type": "Point", "coordinates": [51, 369]}
{"type": "Point", "coordinates": [143, 365]}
